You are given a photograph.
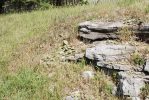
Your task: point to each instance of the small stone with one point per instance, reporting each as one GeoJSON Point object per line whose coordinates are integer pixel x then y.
{"type": "Point", "coordinates": [88, 74]}
{"type": "Point", "coordinates": [146, 67]}
{"type": "Point", "coordinates": [65, 42]}
{"type": "Point", "coordinates": [114, 90]}
{"type": "Point", "coordinates": [73, 96]}
{"type": "Point", "coordinates": [51, 88]}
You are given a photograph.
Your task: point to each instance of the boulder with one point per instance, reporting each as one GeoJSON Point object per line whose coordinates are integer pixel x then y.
{"type": "Point", "coordinates": [130, 84]}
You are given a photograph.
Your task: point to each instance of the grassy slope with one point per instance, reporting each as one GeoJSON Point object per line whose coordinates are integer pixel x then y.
{"type": "Point", "coordinates": [25, 37]}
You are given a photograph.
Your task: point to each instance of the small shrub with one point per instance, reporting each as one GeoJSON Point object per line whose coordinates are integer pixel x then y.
{"type": "Point", "coordinates": [137, 59]}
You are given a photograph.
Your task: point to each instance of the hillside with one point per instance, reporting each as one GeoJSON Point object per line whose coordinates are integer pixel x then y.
{"type": "Point", "coordinates": [31, 45]}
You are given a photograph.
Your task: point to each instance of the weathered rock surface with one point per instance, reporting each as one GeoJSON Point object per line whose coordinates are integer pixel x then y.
{"type": "Point", "coordinates": [99, 30]}
{"type": "Point", "coordinates": [146, 66]}
{"type": "Point", "coordinates": [109, 52]}
{"type": "Point", "coordinates": [104, 27]}
{"type": "Point", "coordinates": [130, 84]}
{"type": "Point", "coordinates": [116, 67]}
{"type": "Point", "coordinates": [96, 30]}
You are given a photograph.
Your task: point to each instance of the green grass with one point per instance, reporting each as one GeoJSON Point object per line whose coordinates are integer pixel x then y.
{"type": "Point", "coordinates": [126, 3]}
{"type": "Point", "coordinates": [26, 84]}
{"type": "Point", "coordinates": [26, 37]}
{"type": "Point", "coordinates": [20, 37]}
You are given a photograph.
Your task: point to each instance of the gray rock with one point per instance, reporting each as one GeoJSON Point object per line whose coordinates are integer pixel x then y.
{"type": "Point", "coordinates": [99, 30]}
{"type": "Point", "coordinates": [103, 27]}
{"type": "Point", "coordinates": [130, 84]}
{"type": "Point", "coordinates": [96, 36]}
{"type": "Point", "coordinates": [146, 67]}
{"type": "Point", "coordinates": [118, 67]}
{"type": "Point", "coordinates": [109, 52]}
{"type": "Point", "coordinates": [88, 74]}
{"type": "Point", "coordinates": [94, 30]}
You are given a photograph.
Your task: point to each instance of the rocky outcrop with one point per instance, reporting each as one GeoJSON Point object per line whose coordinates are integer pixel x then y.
{"type": "Point", "coordinates": [99, 30]}
{"type": "Point", "coordinates": [96, 30]}
{"type": "Point", "coordinates": [111, 56]}
{"type": "Point", "coordinates": [114, 57]}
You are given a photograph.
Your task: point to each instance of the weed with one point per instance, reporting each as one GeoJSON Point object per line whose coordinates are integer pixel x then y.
{"type": "Point", "coordinates": [138, 59]}
{"type": "Point", "coordinates": [125, 34]}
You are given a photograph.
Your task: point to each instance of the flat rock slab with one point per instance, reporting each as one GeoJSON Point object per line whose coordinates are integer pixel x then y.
{"type": "Point", "coordinates": [103, 27]}
{"type": "Point", "coordinates": [130, 84]}
{"type": "Point", "coordinates": [97, 30]}
{"type": "Point", "coordinates": [116, 67]}
{"type": "Point", "coordinates": [109, 52]}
